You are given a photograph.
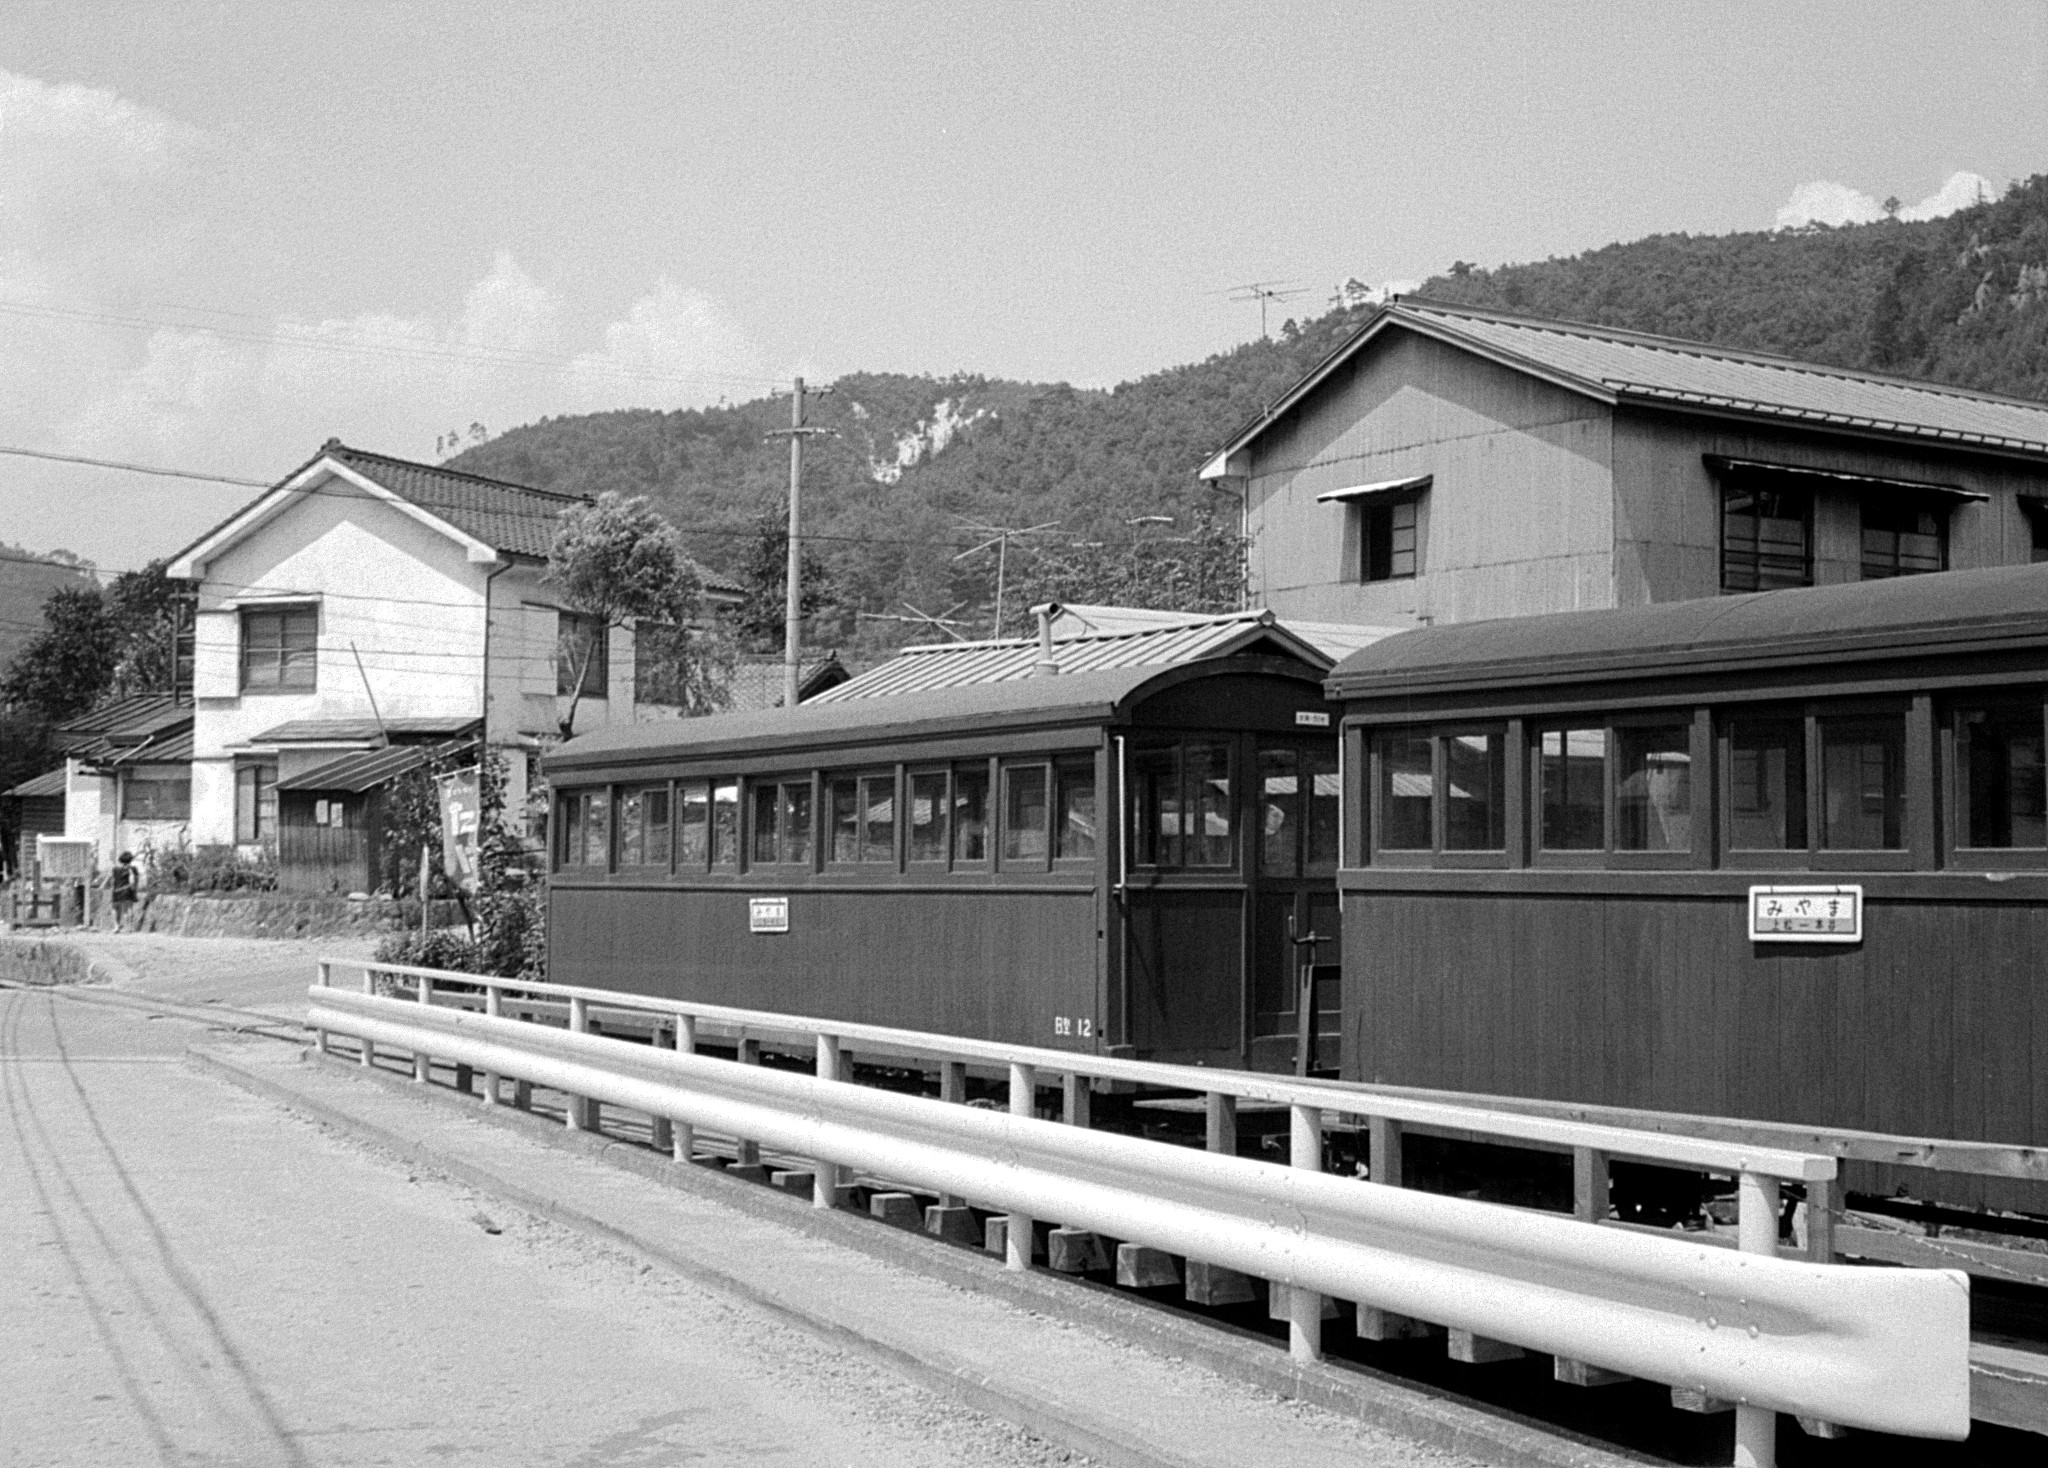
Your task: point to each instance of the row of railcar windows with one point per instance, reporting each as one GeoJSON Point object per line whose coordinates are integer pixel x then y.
{"type": "Point", "coordinates": [930, 818]}
{"type": "Point", "coordinates": [1804, 780]}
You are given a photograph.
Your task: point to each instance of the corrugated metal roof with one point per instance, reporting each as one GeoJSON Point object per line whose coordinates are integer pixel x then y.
{"type": "Point", "coordinates": [41, 787]}
{"type": "Point", "coordinates": [1921, 615]}
{"type": "Point", "coordinates": [142, 713]}
{"type": "Point", "coordinates": [1189, 639]}
{"type": "Point", "coordinates": [366, 769]}
{"type": "Point", "coordinates": [342, 731]}
{"type": "Point", "coordinates": [168, 748]}
{"type": "Point", "coordinates": [1617, 365]}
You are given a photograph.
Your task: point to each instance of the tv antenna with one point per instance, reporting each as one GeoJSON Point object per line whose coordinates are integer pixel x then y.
{"type": "Point", "coordinates": [1265, 292]}
{"type": "Point", "coordinates": [944, 622]}
{"type": "Point", "coordinates": [1000, 537]}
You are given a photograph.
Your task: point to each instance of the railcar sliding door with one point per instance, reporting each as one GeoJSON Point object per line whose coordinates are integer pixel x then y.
{"type": "Point", "coordinates": [1294, 887]}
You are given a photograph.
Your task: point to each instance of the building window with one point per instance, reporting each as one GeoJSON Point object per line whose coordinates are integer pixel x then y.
{"type": "Point", "coordinates": [156, 797]}
{"type": "Point", "coordinates": [2037, 528]}
{"type": "Point", "coordinates": [644, 826]}
{"type": "Point", "coordinates": [255, 802]}
{"type": "Point", "coordinates": [581, 651]}
{"type": "Point", "coordinates": [280, 650]}
{"type": "Point", "coordinates": [1999, 777]}
{"type": "Point", "coordinates": [1903, 540]}
{"type": "Point", "coordinates": [1386, 540]}
{"type": "Point", "coordinates": [1766, 538]}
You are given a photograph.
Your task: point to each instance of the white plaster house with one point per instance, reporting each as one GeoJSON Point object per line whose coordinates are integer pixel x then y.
{"type": "Point", "coordinates": [367, 600]}
{"type": "Point", "coordinates": [126, 776]}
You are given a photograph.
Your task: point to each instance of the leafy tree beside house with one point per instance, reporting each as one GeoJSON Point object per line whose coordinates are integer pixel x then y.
{"type": "Point", "coordinates": [617, 563]}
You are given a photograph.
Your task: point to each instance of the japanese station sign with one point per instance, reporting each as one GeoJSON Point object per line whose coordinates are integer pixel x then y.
{"type": "Point", "coordinates": [768, 914]}
{"type": "Point", "coordinates": [1806, 914]}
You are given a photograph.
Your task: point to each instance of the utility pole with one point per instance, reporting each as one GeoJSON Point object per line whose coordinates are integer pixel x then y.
{"type": "Point", "coordinates": [792, 616]}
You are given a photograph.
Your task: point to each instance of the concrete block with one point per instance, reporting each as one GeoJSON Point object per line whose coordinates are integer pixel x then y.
{"type": "Point", "coordinates": [1695, 1399]}
{"type": "Point", "coordinates": [900, 1209]}
{"type": "Point", "coordinates": [1479, 1350]}
{"type": "Point", "coordinates": [753, 1172]}
{"type": "Point", "coordinates": [1277, 1308]}
{"type": "Point", "coordinates": [1814, 1427]}
{"type": "Point", "coordinates": [1076, 1251]}
{"type": "Point", "coordinates": [850, 1196]}
{"type": "Point", "coordinates": [1582, 1373]}
{"type": "Point", "coordinates": [465, 1080]}
{"type": "Point", "coordinates": [1212, 1284]}
{"type": "Point", "coordinates": [995, 1237]}
{"type": "Point", "coordinates": [790, 1180]}
{"type": "Point", "coordinates": [1375, 1324]}
{"type": "Point", "coordinates": [952, 1222]}
{"type": "Point", "coordinates": [1140, 1268]}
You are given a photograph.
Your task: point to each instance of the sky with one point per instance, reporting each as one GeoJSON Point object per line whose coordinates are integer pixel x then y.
{"type": "Point", "coordinates": [231, 231]}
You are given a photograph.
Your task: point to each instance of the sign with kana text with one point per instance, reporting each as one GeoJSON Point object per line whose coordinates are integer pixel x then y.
{"type": "Point", "coordinates": [1806, 914]}
{"type": "Point", "coordinates": [768, 914]}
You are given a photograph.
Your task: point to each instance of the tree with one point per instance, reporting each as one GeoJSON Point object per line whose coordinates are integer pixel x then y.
{"type": "Point", "coordinates": [1200, 572]}
{"type": "Point", "coordinates": [152, 615]}
{"type": "Point", "coordinates": [617, 563]}
{"type": "Point", "coordinates": [70, 663]}
{"type": "Point", "coordinates": [763, 616]}
{"type": "Point", "coordinates": [687, 668]}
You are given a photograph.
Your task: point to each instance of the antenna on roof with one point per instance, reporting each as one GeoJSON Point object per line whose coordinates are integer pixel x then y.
{"type": "Point", "coordinates": [1265, 292]}
{"type": "Point", "coordinates": [1000, 536]}
{"type": "Point", "coordinates": [945, 621]}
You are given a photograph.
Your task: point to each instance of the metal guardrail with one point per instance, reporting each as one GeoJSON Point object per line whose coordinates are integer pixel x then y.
{"type": "Point", "coordinates": [1881, 1349]}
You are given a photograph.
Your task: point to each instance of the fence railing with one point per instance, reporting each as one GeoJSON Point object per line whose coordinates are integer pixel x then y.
{"type": "Point", "coordinates": [1880, 1349]}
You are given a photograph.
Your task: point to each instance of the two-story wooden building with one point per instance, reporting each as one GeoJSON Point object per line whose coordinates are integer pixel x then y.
{"type": "Point", "coordinates": [1447, 464]}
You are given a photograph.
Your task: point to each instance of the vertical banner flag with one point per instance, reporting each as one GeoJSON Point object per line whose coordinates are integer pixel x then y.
{"type": "Point", "coordinates": [461, 812]}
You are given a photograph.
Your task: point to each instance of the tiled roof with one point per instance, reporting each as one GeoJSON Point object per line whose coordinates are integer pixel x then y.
{"type": "Point", "coordinates": [1633, 366]}
{"type": "Point", "coordinates": [757, 682]}
{"type": "Point", "coordinates": [1130, 643]}
{"type": "Point", "coordinates": [41, 787]}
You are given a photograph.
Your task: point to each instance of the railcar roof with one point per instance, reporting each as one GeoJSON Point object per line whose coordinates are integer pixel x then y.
{"type": "Point", "coordinates": [1068, 698]}
{"type": "Point", "coordinates": [1949, 611]}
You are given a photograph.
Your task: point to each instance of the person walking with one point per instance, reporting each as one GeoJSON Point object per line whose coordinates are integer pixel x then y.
{"type": "Point", "coordinates": [121, 883]}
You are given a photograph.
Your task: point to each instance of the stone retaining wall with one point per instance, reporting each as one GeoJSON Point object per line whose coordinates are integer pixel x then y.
{"type": "Point", "coordinates": [273, 915]}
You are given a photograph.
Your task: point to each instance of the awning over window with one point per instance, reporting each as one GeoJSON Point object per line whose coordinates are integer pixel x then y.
{"type": "Point", "coordinates": [1366, 491]}
{"type": "Point", "coordinates": [1721, 463]}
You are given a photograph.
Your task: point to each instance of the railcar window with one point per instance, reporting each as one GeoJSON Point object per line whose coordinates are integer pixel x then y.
{"type": "Point", "coordinates": [1476, 791]}
{"type": "Point", "coordinates": [1155, 790]}
{"type": "Point", "coordinates": [1407, 792]}
{"type": "Point", "coordinates": [1324, 788]}
{"type": "Point", "coordinates": [927, 811]}
{"type": "Point", "coordinates": [644, 826]}
{"type": "Point", "coordinates": [1206, 769]}
{"type": "Point", "coordinates": [1074, 828]}
{"type": "Point", "coordinates": [782, 822]}
{"type": "Point", "coordinates": [1999, 776]}
{"type": "Point", "coordinates": [725, 823]}
{"type": "Point", "coordinates": [1862, 782]}
{"type": "Point", "coordinates": [878, 818]}
{"type": "Point", "coordinates": [586, 829]}
{"type": "Point", "coordinates": [1279, 811]}
{"type": "Point", "coordinates": [1574, 789]}
{"type": "Point", "coordinates": [693, 825]}
{"type": "Point", "coordinates": [970, 814]}
{"type": "Point", "coordinates": [1024, 814]}
{"type": "Point", "coordinates": [843, 812]}
{"type": "Point", "coordinates": [1767, 785]}
{"type": "Point", "coordinates": [1653, 788]}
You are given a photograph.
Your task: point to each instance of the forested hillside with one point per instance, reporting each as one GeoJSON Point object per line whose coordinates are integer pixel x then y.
{"type": "Point", "coordinates": [915, 461]}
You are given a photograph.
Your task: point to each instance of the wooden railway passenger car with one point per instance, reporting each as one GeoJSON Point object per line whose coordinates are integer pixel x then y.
{"type": "Point", "coordinates": [1555, 824]}
{"type": "Point", "coordinates": [1113, 857]}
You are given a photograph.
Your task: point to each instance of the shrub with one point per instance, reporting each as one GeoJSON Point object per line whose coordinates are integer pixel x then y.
{"type": "Point", "coordinates": [223, 869]}
{"type": "Point", "coordinates": [436, 948]}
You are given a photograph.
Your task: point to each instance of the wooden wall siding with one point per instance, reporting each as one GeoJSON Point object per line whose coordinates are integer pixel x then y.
{"type": "Point", "coordinates": [1186, 974]}
{"type": "Point", "coordinates": [947, 962]}
{"type": "Point", "coordinates": [1937, 1024]}
{"type": "Point", "coordinates": [325, 859]}
{"type": "Point", "coordinates": [1667, 530]}
{"type": "Point", "coordinates": [1519, 518]}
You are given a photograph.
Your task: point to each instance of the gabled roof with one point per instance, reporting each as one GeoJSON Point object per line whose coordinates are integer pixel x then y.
{"type": "Point", "coordinates": [1616, 366]}
{"type": "Point", "coordinates": [1932, 616]}
{"type": "Point", "coordinates": [491, 515]}
{"type": "Point", "coordinates": [757, 682]}
{"type": "Point", "coordinates": [1128, 638]}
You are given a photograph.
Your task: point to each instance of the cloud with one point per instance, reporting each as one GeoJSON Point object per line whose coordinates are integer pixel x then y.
{"type": "Point", "coordinates": [1826, 202]}
{"type": "Point", "coordinates": [674, 335]}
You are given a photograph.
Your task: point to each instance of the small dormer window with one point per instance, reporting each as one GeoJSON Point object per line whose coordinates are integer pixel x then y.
{"type": "Point", "coordinates": [280, 649]}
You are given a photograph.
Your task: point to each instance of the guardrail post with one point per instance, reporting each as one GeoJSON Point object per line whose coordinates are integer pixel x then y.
{"type": "Point", "coordinates": [320, 1036]}
{"type": "Point", "coordinates": [660, 1131]}
{"type": "Point", "coordinates": [1304, 1307]}
{"type": "Point", "coordinates": [366, 1051]}
{"type": "Point", "coordinates": [1383, 1167]}
{"type": "Point", "coordinates": [683, 1143]}
{"type": "Point", "coordinates": [747, 1153]}
{"type": "Point", "coordinates": [581, 1113]}
{"type": "Point", "coordinates": [1756, 1230]}
{"type": "Point", "coordinates": [825, 1175]}
{"type": "Point", "coordinates": [1220, 1112]}
{"type": "Point", "coordinates": [1383, 1135]}
{"type": "Point", "coordinates": [1023, 1102]}
{"type": "Point", "coordinates": [494, 1008]}
{"type": "Point", "coordinates": [1074, 1100]}
{"type": "Point", "coordinates": [425, 988]}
